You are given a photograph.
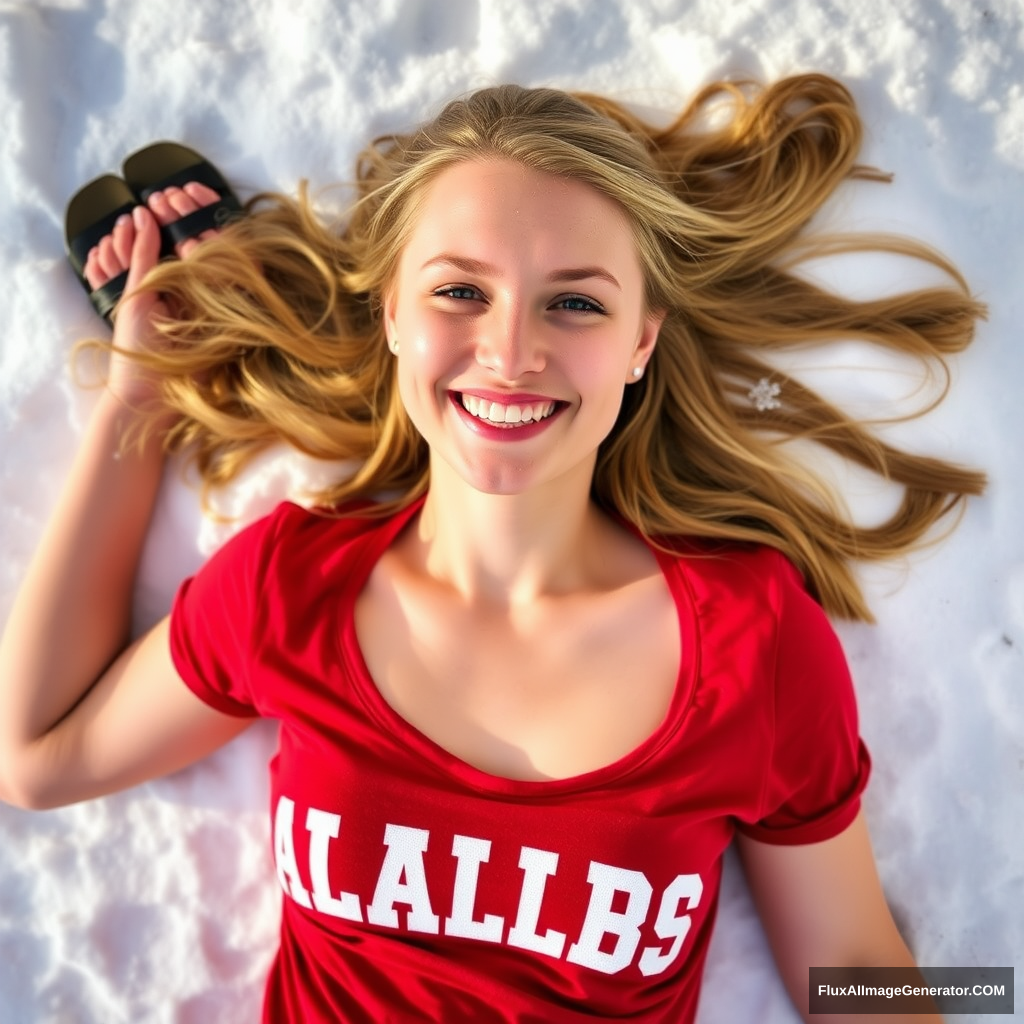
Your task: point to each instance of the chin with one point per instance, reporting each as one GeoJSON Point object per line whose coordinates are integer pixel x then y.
{"type": "Point", "coordinates": [498, 476]}
{"type": "Point", "coordinates": [507, 484]}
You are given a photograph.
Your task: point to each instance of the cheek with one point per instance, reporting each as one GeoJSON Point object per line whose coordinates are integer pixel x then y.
{"type": "Point", "coordinates": [430, 335]}
{"type": "Point", "coordinates": [431, 354]}
{"type": "Point", "coordinates": [427, 362]}
{"type": "Point", "coordinates": [601, 366]}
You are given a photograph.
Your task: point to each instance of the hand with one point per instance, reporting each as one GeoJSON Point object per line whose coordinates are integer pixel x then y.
{"type": "Point", "coordinates": [134, 246]}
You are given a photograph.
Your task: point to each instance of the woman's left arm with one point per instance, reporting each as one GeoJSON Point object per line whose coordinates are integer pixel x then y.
{"type": "Point", "coordinates": [822, 905]}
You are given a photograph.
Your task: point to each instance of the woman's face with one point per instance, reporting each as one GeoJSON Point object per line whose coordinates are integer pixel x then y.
{"type": "Point", "coordinates": [518, 306]}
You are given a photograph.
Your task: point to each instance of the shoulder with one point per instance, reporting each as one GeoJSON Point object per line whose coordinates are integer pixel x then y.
{"type": "Point", "coordinates": [741, 575]}
{"type": "Point", "coordinates": [749, 604]}
{"type": "Point", "coordinates": [292, 523]}
{"type": "Point", "coordinates": [297, 540]}
{"type": "Point", "coordinates": [754, 610]}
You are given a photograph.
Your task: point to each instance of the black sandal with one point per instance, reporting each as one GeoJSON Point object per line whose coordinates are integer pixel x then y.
{"type": "Point", "coordinates": [91, 214]}
{"type": "Point", "coordinates": [163, 164]}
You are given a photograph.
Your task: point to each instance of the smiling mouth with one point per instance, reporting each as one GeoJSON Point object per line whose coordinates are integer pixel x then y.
{"type": "Point", "coordinates": [507, 415]}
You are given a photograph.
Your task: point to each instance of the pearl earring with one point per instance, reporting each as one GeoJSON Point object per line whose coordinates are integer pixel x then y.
{"type": "Point", "coordinates": [393, 345]}
{"type": "Point", "coordinates": [638, 372]}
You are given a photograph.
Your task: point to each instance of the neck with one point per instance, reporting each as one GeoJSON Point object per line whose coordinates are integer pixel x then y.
{"type": "Point", "coordinates": [508, 549]}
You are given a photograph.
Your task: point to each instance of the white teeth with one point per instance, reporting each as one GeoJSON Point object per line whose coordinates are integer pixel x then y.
{"type": "Point", "coordinates": [494, 412]}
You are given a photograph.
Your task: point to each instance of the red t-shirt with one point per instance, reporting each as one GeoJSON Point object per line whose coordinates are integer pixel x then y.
{"type": "Point", "coordinates": [419, 888]}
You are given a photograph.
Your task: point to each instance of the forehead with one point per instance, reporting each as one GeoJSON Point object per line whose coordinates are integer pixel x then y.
{"type": "Point", "coordinates": [504, 205]}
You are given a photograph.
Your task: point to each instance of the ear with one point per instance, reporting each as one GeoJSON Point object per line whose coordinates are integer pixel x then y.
{"type": "Point", "coordinates": [647, 339]}
{"type": "Point", "coordinates": [388, 314]}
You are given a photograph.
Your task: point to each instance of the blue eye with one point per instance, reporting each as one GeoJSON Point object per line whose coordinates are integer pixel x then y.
{"type": "Point", "coordinates": [579, 304]}
{"type": "Point", "coordinates": [458, 291]}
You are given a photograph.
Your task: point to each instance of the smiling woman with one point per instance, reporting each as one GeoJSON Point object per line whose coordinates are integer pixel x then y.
{"type": "Point", "coordinates": [562, 636]}
{"type": "Point", "coordinates": [479, 323]}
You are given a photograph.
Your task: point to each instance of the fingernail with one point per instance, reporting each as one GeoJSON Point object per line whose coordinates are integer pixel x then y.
{"type": "Point", "coordinates": [138, 216]}
{"type": "Point", "coordinates": [123, 220]}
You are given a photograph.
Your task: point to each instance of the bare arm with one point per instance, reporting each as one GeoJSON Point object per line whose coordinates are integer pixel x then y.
{"type": "Point", "coordinates": [822, 905]}
{"type": "Point", "coordinates": [81, 713]}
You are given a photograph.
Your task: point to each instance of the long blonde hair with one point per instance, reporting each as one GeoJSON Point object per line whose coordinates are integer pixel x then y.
{"type": "Point", "coordinates": [278, 332]}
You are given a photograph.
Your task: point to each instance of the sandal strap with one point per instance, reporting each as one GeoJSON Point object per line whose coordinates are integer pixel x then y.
{"type": "Point", "coordinates": [206, 218]}
{"type": "Point", "coordinates": [106, 297]}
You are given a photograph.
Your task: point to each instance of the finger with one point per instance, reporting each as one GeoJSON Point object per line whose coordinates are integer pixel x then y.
{"type": "Point", "coordinates": [202, 194]}
{"type": "Point", "coordinates": [180, 201]}
{"type": "Point", "coordinates": [190, 244]}
{"type": "Point", "coordinates": [161, 208]}
{"type": "Point", "coordinates": [146, 247]}
{"type": "Point", "coordinates": [92, 271]}
{"type": "Point", "coordinates": [123, 237]}
{"type": "Point", "coordinates": [186, 248]}
{"type": "Point", "coordinates": [107, 258]}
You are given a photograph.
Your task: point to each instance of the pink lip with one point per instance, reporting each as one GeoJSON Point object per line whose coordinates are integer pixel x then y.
{"type": "Point", "coordinates": [493, 432]}
{"type": "Point", "coordinates": [505, 397]}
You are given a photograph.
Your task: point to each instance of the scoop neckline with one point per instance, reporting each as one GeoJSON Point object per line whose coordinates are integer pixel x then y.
{"type": "Point", "coordinates": [439, 758]}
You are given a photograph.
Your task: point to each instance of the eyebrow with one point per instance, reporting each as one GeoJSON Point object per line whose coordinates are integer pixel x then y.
{"type": "Point", "coordinates": [470, 266]}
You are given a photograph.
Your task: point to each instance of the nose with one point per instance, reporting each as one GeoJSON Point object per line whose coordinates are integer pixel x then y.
{"type": "Point", "coordinates": [509, 345]}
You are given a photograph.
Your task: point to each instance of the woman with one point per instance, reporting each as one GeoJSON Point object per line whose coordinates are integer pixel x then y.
{"type": "Point", "coordinates": [561, 635]}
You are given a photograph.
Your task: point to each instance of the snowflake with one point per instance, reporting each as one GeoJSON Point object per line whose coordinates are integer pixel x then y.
{"type": "Point", "coordinates": [765, 395]}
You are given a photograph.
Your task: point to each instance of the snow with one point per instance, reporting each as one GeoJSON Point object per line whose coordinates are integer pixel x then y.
{"type": "Point", "coordinates": [160, 904]}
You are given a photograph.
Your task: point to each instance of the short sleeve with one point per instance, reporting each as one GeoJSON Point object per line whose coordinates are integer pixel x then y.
{"type": "Point", "coordinates": [214, 622]}
{"type": "Point", "coordinates": [819, 766]}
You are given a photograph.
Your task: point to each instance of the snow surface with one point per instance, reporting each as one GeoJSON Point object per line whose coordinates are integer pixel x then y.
{"type": "Point", "coordinates": [160, 904]}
